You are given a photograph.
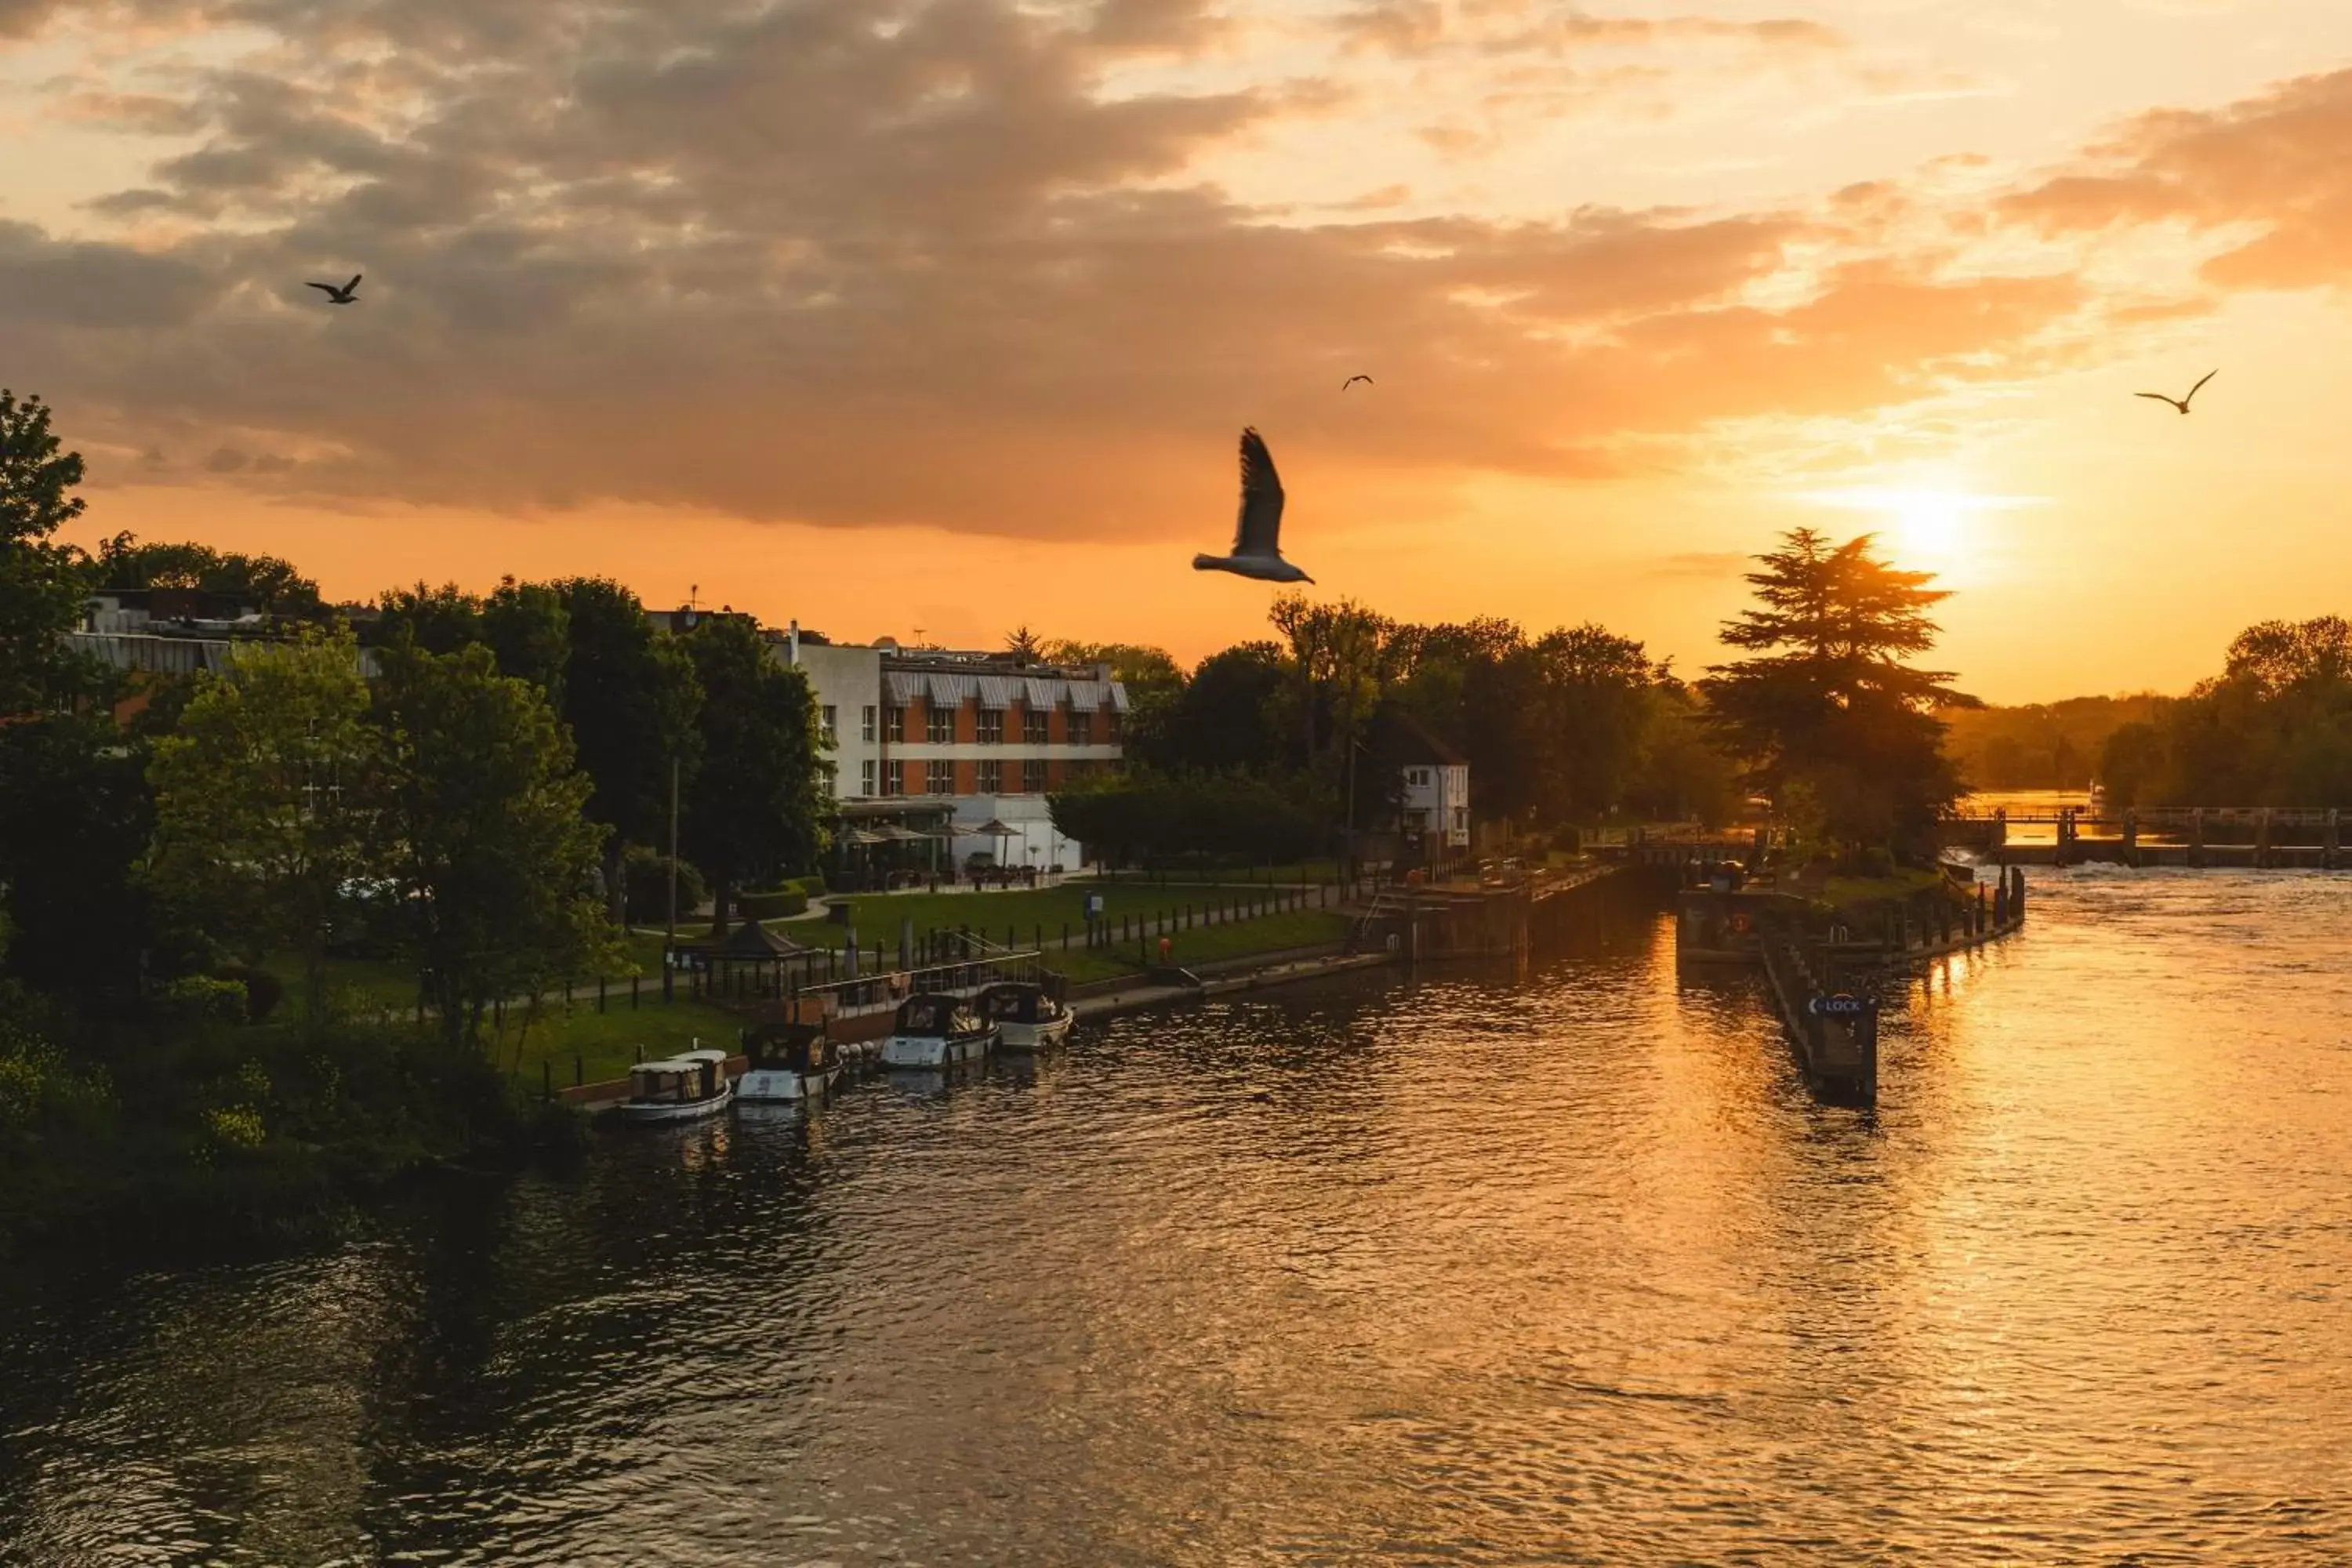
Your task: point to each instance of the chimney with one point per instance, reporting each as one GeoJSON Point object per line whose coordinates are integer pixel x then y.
{"type": "Point", "coordinates": [793, 643]}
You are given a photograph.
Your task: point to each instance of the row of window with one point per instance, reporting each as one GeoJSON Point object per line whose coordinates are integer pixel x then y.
{"type": "Point", "coordinates": [938, 726]}
{"type": "Point", "coordinates": [940, 777]}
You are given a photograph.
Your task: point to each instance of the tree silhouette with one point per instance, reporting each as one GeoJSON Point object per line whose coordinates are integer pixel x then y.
{"type": "Point", "coordinates": [1831, 720]}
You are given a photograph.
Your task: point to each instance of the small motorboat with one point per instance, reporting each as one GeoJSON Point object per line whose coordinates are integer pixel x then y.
{"type": "Point", "coordinates": [937, 1031]}
{"type": "Point", "coordinates": [1028, 1017]}
{"type": "Point", "coordinates": [789, 1061]}
{"type": "Point", "coordinates": [678, 1088]}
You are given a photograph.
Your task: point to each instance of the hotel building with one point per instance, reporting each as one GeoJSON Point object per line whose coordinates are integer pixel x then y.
{"type": "Point", "coordinates": [931, 736]}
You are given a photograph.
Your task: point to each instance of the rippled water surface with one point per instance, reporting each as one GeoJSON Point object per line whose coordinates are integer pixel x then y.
{"type": "Point", "coordinates": [1466, 1272]}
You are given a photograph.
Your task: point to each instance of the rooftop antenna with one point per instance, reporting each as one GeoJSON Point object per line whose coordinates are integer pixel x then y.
{"type": "Point", "coordinates": [692, 589]}
{"type": "Point", "coordinates": [919, 637]}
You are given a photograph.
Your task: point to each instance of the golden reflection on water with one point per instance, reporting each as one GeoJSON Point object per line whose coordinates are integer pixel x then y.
{"type": "Point", "coordinates": [1446, 1270]}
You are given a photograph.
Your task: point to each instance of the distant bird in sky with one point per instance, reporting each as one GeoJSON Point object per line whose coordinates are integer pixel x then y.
{"type": "Point", "coordinates": [2179, 403]}
{"type": "Point", "coordinates": [346, 295]}
{"type": "Point", "coordinates": [1257, 547]}
{"type": "Point", "coordinates": [1353, 379]}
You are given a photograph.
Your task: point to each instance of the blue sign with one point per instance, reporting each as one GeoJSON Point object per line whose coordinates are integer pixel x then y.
{"type": "Point", "coordinates": [1842, 1006]}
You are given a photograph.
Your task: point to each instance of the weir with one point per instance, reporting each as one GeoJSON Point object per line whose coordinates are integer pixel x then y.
{"type": "Point", "coordinates": [2235, 838]}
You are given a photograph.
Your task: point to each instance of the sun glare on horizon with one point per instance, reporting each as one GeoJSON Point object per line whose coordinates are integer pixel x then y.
{"type": "Point", "coordinates": [1938, 528]}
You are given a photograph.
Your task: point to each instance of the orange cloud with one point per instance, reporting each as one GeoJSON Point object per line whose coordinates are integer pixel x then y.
{"type": "Point", "coordinates": [2275, 161]}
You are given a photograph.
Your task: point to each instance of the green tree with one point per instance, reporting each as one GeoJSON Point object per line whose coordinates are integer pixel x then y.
{"type": "Point", "coordinates": [2130, 762]}
{"type": "Point", "coordinates": [1682, 775]}
{"type": "Point", "coordinates": [762, 795]}
{"type": "Point", "coordinates": [631, 699]}
{"type": "Point", "coordinates": [479, 816]}
{"type": "Point", "coordinates": [42, 588]}
{"type": "Point", "coordinates": [432, 620]}
{"type": "Point", "coordinates": [2274, 729]}
{"type": "Point", "coordinates": [1225, 717]}
{"type": "Point", "coordinates": [1594, 706]}
{"type": "Point", "coordinates": [529, 633]}
{"type": "Point", "coordinates": [261, 803]}
{"type": "Point", "coordinates": [273, 584]}
{"type": "Point", "coordinates": [1826, 701]}
{"type": "Point", "coordinates": [75, 816]}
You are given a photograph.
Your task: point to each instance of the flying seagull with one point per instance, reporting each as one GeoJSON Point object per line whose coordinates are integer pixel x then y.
{"type": "Point", "coordinates": [1353, 379]}
{"type": "Point", "coordinates": [2179, 403]}
{"type": "Point", "coordinates": [346, 295]}
{"type": "Point", "coordinates": [1258, 549]}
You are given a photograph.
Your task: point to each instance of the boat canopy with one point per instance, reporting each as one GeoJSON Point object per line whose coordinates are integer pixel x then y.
{"type": "Point", "coordinates": [793, 1046]}
{"type": "Point", "coordinates": [1018, 1002]}
{"type": "Point", "coordinates": [933, 1016]}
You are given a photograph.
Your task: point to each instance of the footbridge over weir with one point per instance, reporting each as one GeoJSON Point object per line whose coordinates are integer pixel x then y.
{"type": "Point", "coordinates": [2257, 836]}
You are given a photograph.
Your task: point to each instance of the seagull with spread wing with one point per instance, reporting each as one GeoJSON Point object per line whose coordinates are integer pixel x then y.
{"type": "Point", "coordinates": [1257, 537]}
{"type": "Point", "coordinates": [1353, 379]}
{"type": "Point", "coordinates": [348, 294]}
{"type": "Point", "coordinates": [2179, 403]}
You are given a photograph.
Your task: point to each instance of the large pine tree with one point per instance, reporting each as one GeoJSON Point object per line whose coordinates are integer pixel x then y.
{"type": "Point", "coordinates": [1832, 721]}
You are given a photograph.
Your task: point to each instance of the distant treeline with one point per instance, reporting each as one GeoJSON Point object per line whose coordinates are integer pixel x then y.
{"type": "Point", "coordinates": [2274, 728]}
{"type": "Point", "coordinates": [2040, 745]}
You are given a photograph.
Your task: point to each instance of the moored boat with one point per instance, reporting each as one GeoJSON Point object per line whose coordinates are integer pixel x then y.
{"type": "Point", "coordinates": [678, 1088]}
{"type": "Point", "coordinates": [937, 1031]}
{"type": "Point", "coordinates": [1028, 1017]}
{"type": "Point", "coordinates": [789, 1061]}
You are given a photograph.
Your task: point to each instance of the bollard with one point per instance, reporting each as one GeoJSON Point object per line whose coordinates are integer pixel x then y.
{"type": "Point", "coordinates": [600, 993]}
{"type": "Point", "coordinates": [579, 1070]}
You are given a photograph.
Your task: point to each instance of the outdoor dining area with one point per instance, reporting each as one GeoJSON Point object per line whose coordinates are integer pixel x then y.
{"type": "Point", "coordinates": [881, 845]}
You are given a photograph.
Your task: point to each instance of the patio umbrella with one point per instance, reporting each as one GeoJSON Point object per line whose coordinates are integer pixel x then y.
{"type": "Point", "coordinates": [995, 827]}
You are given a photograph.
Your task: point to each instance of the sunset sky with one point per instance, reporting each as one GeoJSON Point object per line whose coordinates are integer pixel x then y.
{"type": "Point", "coordinates": [946, 315]}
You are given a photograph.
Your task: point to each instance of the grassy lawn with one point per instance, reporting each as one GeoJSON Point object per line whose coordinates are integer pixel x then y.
{"type": "Point", "coordinates": [1853, 893]}
{"type": "Point", "coordinates": [366, 983]}
{"type": "Point", "coordinates": [1027, 913]}
{"type": "Point", "coordinates": [369, 986]}
{"type": "Point", "coordinates": [606, 1043]}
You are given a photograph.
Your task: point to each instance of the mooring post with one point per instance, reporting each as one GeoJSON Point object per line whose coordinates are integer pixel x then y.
{"type": "Point", "coordinates": [2331, 843]}
{"type": "Point", "coordinates": [2197, 836]}
{"type": "Point", "coordinates": [1865, 1037]}
{"type": "Point", "coordinates": [2131, 836]}
{"type": "Point", "coordinates": [2263, 838]}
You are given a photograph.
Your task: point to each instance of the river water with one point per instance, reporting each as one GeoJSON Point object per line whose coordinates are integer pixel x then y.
{"type": "Point", "coordinates": [1463, 1272]}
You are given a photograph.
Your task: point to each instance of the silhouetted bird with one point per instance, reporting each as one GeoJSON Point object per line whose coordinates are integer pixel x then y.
{"type": "Point", "coordinates": [1257, 537]}
{"type": "Point", "coordinates": [2179, 403]}
{"type": "Point", "coordinates": [346, 295]}
{"type": "Point", "coordinates": [1353, 379]}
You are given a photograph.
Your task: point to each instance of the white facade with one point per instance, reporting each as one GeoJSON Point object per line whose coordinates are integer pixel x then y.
{"type": "Point", "coordinates": [1437, 802]}
{"type": "Point", "coordinates": [848, 686]}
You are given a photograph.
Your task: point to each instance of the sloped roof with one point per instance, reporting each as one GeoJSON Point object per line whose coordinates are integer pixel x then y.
{"type": "Point", "coordinates": [1419, 747]}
